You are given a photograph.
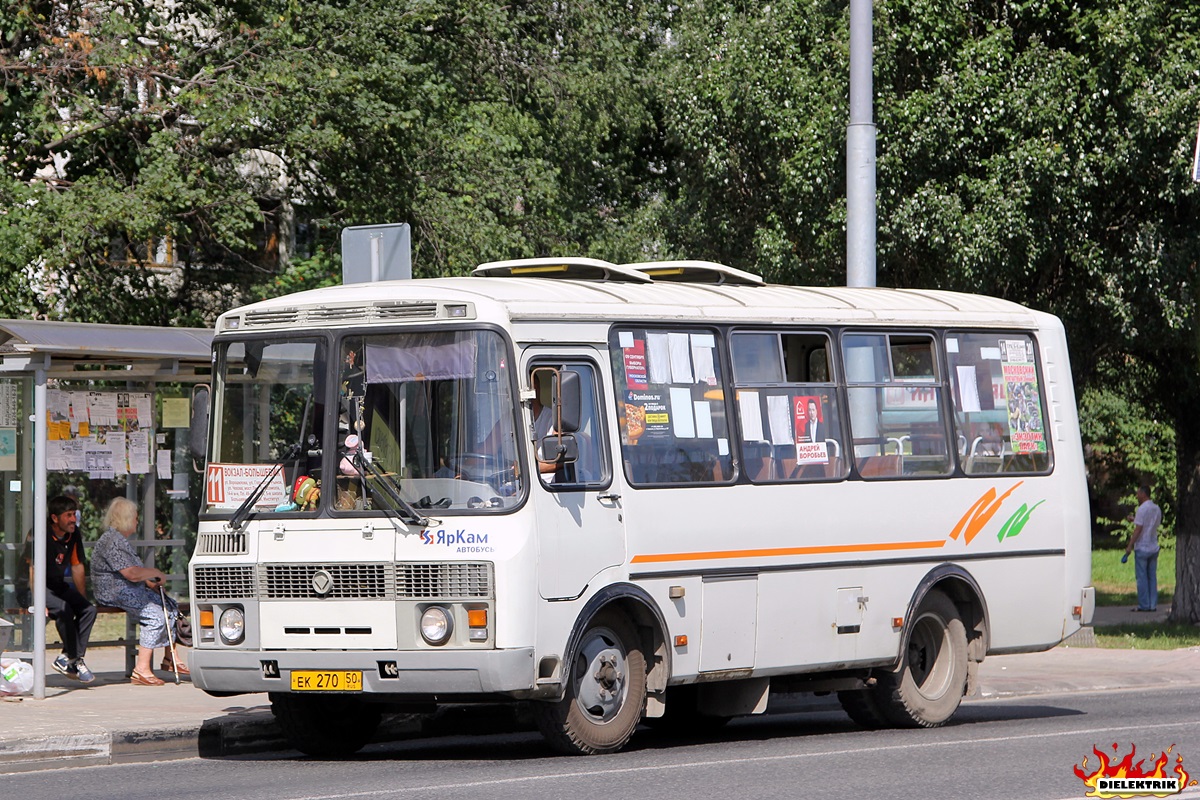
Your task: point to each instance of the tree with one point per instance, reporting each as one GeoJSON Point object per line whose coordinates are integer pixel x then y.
{"type": "Point", "coordinates": [497, 130]}
{"type": "Point", "coordinates": [1035, 151]}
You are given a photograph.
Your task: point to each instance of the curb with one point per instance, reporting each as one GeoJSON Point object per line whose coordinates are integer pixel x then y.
{"type": "Point", "coordinates": [214, 738]}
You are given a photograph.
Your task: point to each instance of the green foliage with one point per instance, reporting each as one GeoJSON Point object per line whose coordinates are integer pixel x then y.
{"type": "Point", "coordinates": [1127, 446]}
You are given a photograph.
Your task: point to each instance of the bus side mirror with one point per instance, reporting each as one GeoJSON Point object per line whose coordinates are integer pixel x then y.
{"type": "Point", "coordinates": [198, 427]}
{"type": "Point", "coordinates": [560, 449]}
{"type": "Point", "coordinates": [568, 401]}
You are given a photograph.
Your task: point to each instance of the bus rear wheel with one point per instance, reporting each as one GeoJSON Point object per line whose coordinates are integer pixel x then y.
{"type": "Point", "coordinates": [605, 693]}
{"type": "Point", "coordinates": [325, 726]}
{"type": "Point", "coordinates": [928, 686]}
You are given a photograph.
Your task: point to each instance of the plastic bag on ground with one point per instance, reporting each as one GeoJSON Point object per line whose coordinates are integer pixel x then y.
{"type": "Point", "coordinates": [16, 677]}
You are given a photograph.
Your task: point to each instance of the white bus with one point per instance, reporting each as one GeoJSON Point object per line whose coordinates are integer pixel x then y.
{"type": "Point", "coordinates": [631, 492]}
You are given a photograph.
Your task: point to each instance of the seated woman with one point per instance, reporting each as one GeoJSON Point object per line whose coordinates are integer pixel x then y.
{"type": "Point", "coordinates": [121, 580]}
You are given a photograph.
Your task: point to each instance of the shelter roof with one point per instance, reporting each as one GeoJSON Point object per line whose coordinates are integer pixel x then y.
{"type": "Point", "coordinates": [149, 351]}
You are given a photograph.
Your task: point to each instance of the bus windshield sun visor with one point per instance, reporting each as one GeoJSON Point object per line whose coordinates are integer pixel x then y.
{"type": "Point", "coordinates": [420, 356]}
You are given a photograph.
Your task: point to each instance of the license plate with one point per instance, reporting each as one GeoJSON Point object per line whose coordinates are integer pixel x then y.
{"type": "Point", "coordinates": [326, 681]}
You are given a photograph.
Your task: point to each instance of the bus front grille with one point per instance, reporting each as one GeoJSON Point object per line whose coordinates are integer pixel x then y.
{"type": "Point", "coordinates": [232, 543]}
{"type": "Point", "coordinates": [346, 581]}
{"type": "Point", "coordinates": [223, 583]}
{"type": "Point", "coordinates": [440, 581]}
{"type": "Point", "coordinates": [406, 581]}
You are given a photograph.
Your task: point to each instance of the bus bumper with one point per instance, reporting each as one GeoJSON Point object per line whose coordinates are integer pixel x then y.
{"type": "Point", "coordinates": [421, 672]}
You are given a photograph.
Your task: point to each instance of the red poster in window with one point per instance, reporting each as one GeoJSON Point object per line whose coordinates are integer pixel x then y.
{"type": "Point", "coordinates": [810, 424]}
{"type": "Point", "coordinates": [810, 430]}
{"type": "Point", "coordinates": [635, 365]}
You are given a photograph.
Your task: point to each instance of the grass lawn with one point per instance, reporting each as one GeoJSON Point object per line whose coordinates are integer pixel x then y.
{"type": "Point", "coordinates": [1148, 636]}
{"type": "Point", "coordinates": [1116, 586]}
{"type": "Point", "coordinates": [1114, 581]}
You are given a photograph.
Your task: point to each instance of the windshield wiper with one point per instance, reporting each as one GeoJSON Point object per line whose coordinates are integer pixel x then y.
{"type": "Point", "coordinates": [242, 514]}
{"type": "Point", "coordinates": [387, 485]}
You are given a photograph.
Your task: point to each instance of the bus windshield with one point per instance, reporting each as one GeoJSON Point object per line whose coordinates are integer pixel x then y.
{"type": "Point", "coordinates": [428, 415]}
{"type": "Point", "coordinates": [425, 420]}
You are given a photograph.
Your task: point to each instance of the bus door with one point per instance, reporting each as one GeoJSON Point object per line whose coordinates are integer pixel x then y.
{"type": "Point", "coordinates": [579, 518]}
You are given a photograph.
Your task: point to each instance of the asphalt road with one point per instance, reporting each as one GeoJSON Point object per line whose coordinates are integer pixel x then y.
{"type": "Point", "coordinates": [1023, 748]}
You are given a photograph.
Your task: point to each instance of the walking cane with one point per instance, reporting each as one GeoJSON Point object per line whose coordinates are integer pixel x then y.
{"type": "Point", "coordinates": [170, 634]}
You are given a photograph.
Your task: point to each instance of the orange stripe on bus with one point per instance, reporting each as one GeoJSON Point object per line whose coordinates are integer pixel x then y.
{"type": "Point", "coordinates": [787, 551]}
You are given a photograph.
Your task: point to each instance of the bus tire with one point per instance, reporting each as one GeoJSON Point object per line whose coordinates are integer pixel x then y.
{"type": "Point", "coordinates": [928, 686]}
{"type": "Point", "coordinates": [605, 693]}
{"type": "Point", "coordinates": [325, 726]}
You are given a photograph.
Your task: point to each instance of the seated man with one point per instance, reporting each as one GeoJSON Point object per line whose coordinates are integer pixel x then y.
{"type": "Point", "coordinates": [66, 602]}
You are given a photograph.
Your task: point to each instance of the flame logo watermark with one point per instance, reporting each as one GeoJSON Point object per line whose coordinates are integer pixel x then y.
{"type": "Point", "coordinates": [1125, 778]}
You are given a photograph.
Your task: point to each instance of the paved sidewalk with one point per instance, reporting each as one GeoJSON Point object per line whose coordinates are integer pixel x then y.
{"type": "Point", "coordinates": [112, 721]}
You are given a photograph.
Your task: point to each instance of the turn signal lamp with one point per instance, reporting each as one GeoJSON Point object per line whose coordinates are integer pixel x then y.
{"type": "Point", "coordinates": [206, 619]}
{"type": "Point", "coordinates": [477, 620]}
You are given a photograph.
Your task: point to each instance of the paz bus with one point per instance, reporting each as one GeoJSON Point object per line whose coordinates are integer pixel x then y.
{"type": "Point", "coordinates": [617, 493]}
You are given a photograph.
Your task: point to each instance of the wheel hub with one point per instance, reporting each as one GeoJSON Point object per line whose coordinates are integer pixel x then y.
{"type": "Point", "coordinates": [603, 687]}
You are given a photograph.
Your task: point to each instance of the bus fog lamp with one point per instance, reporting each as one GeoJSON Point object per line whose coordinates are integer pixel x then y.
{"type": "Point", "coordinates": [436, 625]}
{"type": "Point", "coordinates": [233, 626]}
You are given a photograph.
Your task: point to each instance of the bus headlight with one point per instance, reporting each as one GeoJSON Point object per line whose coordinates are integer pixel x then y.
{"type": "Point", "coordinates": [436, 625]}
{"type": "Point", "coordinates": [232, 626]}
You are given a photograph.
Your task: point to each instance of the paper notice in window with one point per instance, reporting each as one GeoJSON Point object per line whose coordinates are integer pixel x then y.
{"type": "Point", "coordinates": [680, 345]}
{"type": "Point", "coordinates": [779, 418]}
{"type": "Point", "coordinates": [702, 358]}
{"type": "Point", "coordinates": [752, 428]}
{"type": "Point", "coordinates": [704, 426]}
{"type": "Point", "coordinates": [968, 389]}
{"type": "Point", "coordinates": [658, 358]}
{"type": "Point", "coordinates": [682, 423]}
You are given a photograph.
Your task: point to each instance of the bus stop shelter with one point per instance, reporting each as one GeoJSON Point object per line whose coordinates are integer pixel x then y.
{"type": "Point", "coordinates": [48, 372]}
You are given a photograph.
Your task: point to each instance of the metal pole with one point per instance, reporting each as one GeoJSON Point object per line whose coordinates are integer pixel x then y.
{"type": "Point", "coordinates": [860, 153]}
{"type": "Point", "coordinates": [39, 532]}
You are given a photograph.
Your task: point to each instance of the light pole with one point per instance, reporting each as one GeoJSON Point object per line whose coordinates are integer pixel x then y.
{"type": "Point", "coordinates": [860, 153]}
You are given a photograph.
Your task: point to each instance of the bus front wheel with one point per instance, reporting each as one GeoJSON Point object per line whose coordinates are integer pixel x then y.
{"type": "Point", "coordinates": [605, 693]}
{"type": "Point", "coordinates": [926, 689]}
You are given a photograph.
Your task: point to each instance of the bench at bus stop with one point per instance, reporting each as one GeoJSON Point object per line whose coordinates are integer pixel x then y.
{"type": "Point", "coordinates": [128, 641]}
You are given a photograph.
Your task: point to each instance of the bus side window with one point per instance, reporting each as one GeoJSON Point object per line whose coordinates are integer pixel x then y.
{"type": "Point", "coordinates": [589, 466]}
{"type": "Point", "coordinates": [897, 414]}
{"type": "Point", "coordinates": [999, 414]}
{"type": "Point", "coordinates": [671, 405]}
{"type": "Point", "coordinates": [788, 407]}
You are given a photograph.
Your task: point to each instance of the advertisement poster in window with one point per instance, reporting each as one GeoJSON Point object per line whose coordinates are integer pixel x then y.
{"type": "Point", "coordinates": [634, 354]}
{"type": "Point", "coordinates": [646, 416]}
{"type": "Point", "coordinates": [810, 430]}
{"type": "Point", "coordinates": [1024, 399]}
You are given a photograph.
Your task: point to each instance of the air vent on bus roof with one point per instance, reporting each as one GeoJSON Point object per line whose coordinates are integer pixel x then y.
{"type": "Point", "coordinates": [592, 269]}
{"type": "Point", "coordinates": [398, 310]}
{"type": "Point", "coordinates": [276, 316]}
{"type": "Point", "coordinates": [696, 272]}
{"type": "Point", "coordinates": [575, 269]}
{"type": "Point", "coordinates": [334, 313]}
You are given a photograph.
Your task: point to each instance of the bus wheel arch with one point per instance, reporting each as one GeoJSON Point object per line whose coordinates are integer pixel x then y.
{"type": "Point", "coordinates": [617, 647]}
{"type": "Point", "coordinates": [962, 589]}
{"type": "Point", "coordinates": [943, 641]}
